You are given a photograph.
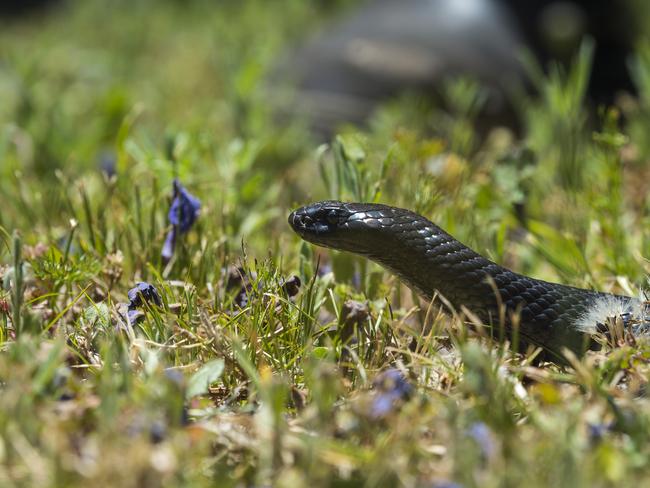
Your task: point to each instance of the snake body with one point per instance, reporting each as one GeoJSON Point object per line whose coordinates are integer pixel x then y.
{"type": "Point", "coordinates": [432, 262]}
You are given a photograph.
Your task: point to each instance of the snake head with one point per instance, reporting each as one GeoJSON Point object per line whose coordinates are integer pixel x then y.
{"type": "Point", "coordinates": [319, 222]}
{"type": "Point", "coordinates": [355, 227]}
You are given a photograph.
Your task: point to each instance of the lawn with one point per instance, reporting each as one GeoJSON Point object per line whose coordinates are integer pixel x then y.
{"type": "Point", "coordinates": [221, 350]}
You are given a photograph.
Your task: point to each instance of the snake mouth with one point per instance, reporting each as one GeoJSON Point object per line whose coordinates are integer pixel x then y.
{"type": "Point", "coordinates": [329, 224]}
{"type": "Point", "coordinates": [302, 223]}
{"type": "Point", "coordinates": [316, 221]}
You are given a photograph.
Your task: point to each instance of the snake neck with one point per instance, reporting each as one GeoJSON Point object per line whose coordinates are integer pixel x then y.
{"type": "Point", "coordinates": [434, 263]}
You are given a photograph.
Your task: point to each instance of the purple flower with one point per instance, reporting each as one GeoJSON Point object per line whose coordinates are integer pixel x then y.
{"type": "Point", "coordinates": [183, 212]}
{"type": "Point", "coordinates": [185, 208]}
{"type": "Point", "coordinates": [143, 292]}
{"type": "Point", "coordinates": [134, 315]}
{"type": "Point", "coordinates": [484, 438]}
{"type": "Point", "coordinates": [168, 246]}
{"type": "Point", "coordinates": [146, 291]}
{"type": "Point", "coordinates": [382, 405]}
{"type": "Point", "coordinates": [597, 432]}
{"type": "Point", "coordinates": [391, 387]}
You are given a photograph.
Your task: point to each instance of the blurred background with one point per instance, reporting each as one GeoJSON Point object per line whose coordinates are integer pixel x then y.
{"type": "Point", "coordinates": [420, 100]}
{"type": "Point", "coordinates": [71, 72]}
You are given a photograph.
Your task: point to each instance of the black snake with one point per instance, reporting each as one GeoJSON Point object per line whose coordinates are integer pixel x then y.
{"type": "Point", "coordinates": [431, 261]}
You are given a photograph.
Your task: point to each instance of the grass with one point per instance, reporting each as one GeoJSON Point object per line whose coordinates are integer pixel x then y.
{"type": "Point", "coordinates": [241, 378]}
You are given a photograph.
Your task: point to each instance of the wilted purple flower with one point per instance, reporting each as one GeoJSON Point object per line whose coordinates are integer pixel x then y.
{"type": "Point", "coordinates": [484, 438]}
{"type": "Point", "coordinates": [143, 290]}
{"type": "Point", "coordinates": [133, 315]}
{"type": "Point", "coordinates": [185, 208]}
{"type": "Point", "coordinates": [391, 386]}
{"type": "Point", "coordinates": [107, 163]}
{"type": "Point", "coordinates": [183, 212]}
{"type": "Point", "coordinates": [598, 431]}
{"type": "Point", "coordinates": [141, 293]}
{"type": "Point", "coordinates": [168, 246]}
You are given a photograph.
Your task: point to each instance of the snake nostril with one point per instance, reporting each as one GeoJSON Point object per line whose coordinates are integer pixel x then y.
{"type": "Point", "coordinates": [300, 220]}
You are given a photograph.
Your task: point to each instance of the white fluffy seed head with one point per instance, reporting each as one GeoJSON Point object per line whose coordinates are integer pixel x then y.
{"type": "Point", "coordinates": [607, 307]}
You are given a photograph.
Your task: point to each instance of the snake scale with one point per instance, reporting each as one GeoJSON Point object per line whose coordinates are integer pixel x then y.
{"type": "Point", "coordinates": [432, 262]}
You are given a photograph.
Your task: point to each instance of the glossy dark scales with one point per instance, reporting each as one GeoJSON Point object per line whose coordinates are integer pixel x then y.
{"type": "Point", "coordinates": [431, 261]}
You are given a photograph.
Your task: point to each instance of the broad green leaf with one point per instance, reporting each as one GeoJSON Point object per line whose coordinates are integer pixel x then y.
{"type": "Point", "coordinates": [204, 377]}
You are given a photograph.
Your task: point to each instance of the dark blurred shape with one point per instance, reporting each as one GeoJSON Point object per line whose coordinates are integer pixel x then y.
{"type": "Point", "coordinates": [108, 163]}
{"type": "Point", "coordinates": [554, 30]}
{"type": "Point", "coordinates": [15, 8]}
{"type": "Point", "coordinates": [353, 316]}
{"type": "Point", "coordinates": [292, 286]}
{"type": "Point", "coordinates": [384, 47]}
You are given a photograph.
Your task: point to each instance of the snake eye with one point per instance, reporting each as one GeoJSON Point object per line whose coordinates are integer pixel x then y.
{"type": "Point", "coordinates": [332, 217]}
